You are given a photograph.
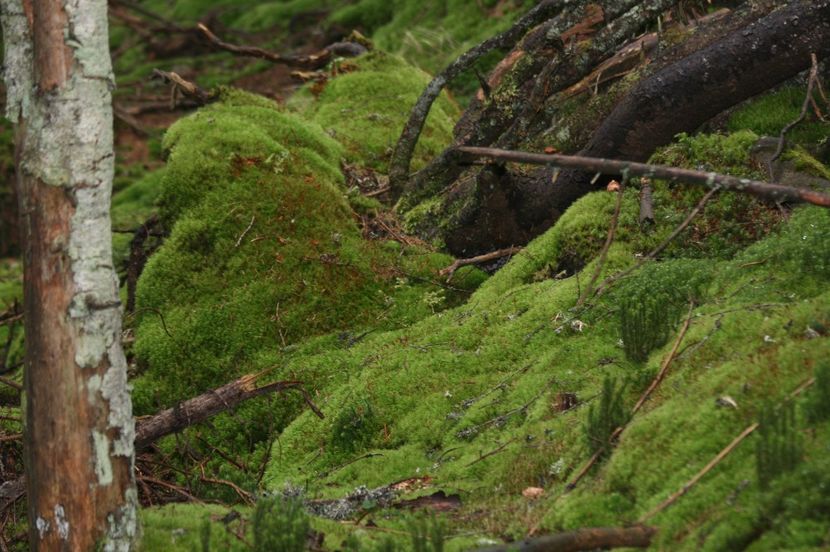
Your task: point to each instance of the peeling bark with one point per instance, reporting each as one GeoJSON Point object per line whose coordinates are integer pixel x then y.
{"type": "Point", "coordinates": [79, 424]}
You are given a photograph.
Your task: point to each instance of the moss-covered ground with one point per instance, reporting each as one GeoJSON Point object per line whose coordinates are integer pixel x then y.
{"type": "Point", "coordinates": [470, 399]}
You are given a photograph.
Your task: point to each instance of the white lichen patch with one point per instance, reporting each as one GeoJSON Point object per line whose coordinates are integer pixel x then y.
{"type": "Point", "coordinates": [42, 527]}
{"type": "Point", "coordinates": [60, 522]}
{"type": "Point", "coordinates": [103, 464]}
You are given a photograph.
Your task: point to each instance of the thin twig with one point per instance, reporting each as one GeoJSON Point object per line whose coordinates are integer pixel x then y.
{"type": "Point", "coordinates": [811, 83]}
{"type": "Point", "coordinates": [608, 241]}
{"type": "Point", "coordinates": [312, 61]}
{"type": "Point", "coordinates": [245, 232]}
{"type": "Point", "coordinates": [717, 459]}
{"type": "Point", "coordinates": [666, 362]}
{"type": "Point", "coordinates": [458, 263]}
{"type": "Point", "coordinates": [659, 249]}
{"type": "Point", "coordinates": [766, 190]}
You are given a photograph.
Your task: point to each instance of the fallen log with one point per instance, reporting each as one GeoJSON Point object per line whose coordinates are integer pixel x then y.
{"type": "Point", "coordinates": [583, 539]}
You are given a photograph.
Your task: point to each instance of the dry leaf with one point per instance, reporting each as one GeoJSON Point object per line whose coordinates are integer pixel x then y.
{"type": "Point", "coordinates": [533, 493]}
{"type": "Point", "coordinates": [613, 186]}
{"type": "Point", "coordinates": [551, 150]}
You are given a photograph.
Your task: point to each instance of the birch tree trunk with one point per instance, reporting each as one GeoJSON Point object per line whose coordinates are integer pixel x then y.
{"type": "Point", "coordinates": [79, 424]}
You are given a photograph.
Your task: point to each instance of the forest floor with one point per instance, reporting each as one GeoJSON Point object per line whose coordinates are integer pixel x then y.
{"type": "Point", "coordinates": [459, 411]}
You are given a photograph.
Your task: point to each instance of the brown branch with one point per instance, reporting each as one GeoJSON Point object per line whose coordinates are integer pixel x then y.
{"type": "Point", "coordinates": [458, 263]}
{"type": "Point", "coordinates": [717, 459]}
{"type": "Point", "coordinates": [776, 192]}
{"type": "Point", "coordinates": [175, 488]}
{"type": "Point", "coordinates": [663, 245]}
{"type": "Point", "coordinates": [246, 497]}
{"type": "Point", "coordinates": [402, 156]}
{"type": "Point", "coordinates": [593, 538]}
{"type": "Point", "coordinates": [612, 229]}
{"type": "Point", "coordinates": [666, 362]}
{"type": "Point", "coordinates": [202, 407]}
{"type": "Point", "coordinates": [188, 89]}
{"type": "Point", "coordinates": [811, 84]}
{"type": "Point", "coordinates": [312, 61]}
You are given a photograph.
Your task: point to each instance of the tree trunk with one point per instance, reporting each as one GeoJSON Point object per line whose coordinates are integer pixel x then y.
{"type": "Point", "coordinates": [79, 424]}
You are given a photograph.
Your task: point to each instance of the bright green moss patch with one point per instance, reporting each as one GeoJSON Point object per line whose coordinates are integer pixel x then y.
{"type": "Point", "coordinates": [366, 107]}
{"type": "Point", "coordinates": [770, 113]}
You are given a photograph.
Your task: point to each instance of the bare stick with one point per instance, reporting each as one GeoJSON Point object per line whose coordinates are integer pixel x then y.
{"type": "Point", "coordinates": [458, 263]}
{"type": "Point", "coordinates": [666, 362]}
{"type": "Point", "coordinates": [189, 89]}
{"type": "Point", "coordinates": [202, 407]}
{"type": "Point", "coordinates": [594, 538]}
{"type": "Point", "coordinates": [775, 192]}
{"type": "Point", "coordinates": [312, 61]}
{"type": "Point", "coordinates": [402, 156]}
{"type": "Point", "coordinates": [811, 83]}
{"type": "Point", "coordinates": [717, 459]}
{"type": "Point", "coordinates": [659, 249]}
{"type": "Point", "coordinates": [608, 241]}
{"type": "Point", "coordinates": [646, 203]}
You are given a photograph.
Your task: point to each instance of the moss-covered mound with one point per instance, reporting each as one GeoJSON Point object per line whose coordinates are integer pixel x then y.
{"type": "Point", "coordinates": [366, 105]}
{"type": "Point", "coordinates": [264, 252]}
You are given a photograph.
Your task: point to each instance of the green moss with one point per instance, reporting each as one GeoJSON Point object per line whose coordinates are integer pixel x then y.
{"type": "Point", "coordinates": [770, 113]}
{"type": "Point", "coordinates": [366, 107]}
{"type": "Point", "coordinates": [804, 162]}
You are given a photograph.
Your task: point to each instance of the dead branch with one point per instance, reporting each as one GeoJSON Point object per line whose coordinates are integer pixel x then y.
{"type": "Point", "coordinates": [185, 87]}
{"type": "Point", "coordinates": [775, 192]}
{"type": "Point", "coordinates": [664, 368]}
{"type": "Point", "coordinates": [202, 407]}
{"type": "Point", "coordinates": [612, 229]}
{"type": "Point", "coordinates": [458, 263]}
{"type": "Point", "coordinates": [646, 203]}
{"type": "Point", "coordinates": [313, 61]}
{"type": "Point", "coordinates": [402, 156]}
{"type": "Point", "coordinates": [583, 539]}
{"type": "Point", "coordinates": [808, 99]}
{"type": "Point", "coordinates": [659, 249]}
{"type": "Point", "coordinates": [717, 459]}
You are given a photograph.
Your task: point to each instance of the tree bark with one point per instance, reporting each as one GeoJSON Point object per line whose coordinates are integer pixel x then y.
{"type": "Point", "coordinates": [79, 425]}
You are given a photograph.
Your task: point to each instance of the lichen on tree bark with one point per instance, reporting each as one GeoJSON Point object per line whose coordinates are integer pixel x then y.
{"type": "Point", "coordinates": [79, 422]}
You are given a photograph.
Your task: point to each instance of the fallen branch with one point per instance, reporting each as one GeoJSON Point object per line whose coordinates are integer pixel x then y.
{"type": "Point", "coordinates": [659, 378]}
{"type": "Point", "coordinates": [458, 263]}
{"type": "Point", "coordinates": [188, 89]}
{"type": "Point", "coordinates": [312, 61]}
{"type": "Point", "coordinates": [717, 459]}
{"type": "Point", "coordinates": [206, 405]}
{"type": "Point", "coordinates": [766, 190]}
{"type": "Point", "coordinates": [808, 99]}
{"type": "Point", "coordinates": [612, 229]}
{"type": "Point", "coordinates": [583, 539]}
{"type": "Point", "coordinates": [402, 156]}
{"type": "Point", "coordinates": [659, 249]}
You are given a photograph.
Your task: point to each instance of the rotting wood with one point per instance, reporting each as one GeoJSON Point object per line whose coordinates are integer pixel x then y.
{"type": "Point", "coordinates": [766, 190]}
{"type": "Point", "coordinates": [593, 538]}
